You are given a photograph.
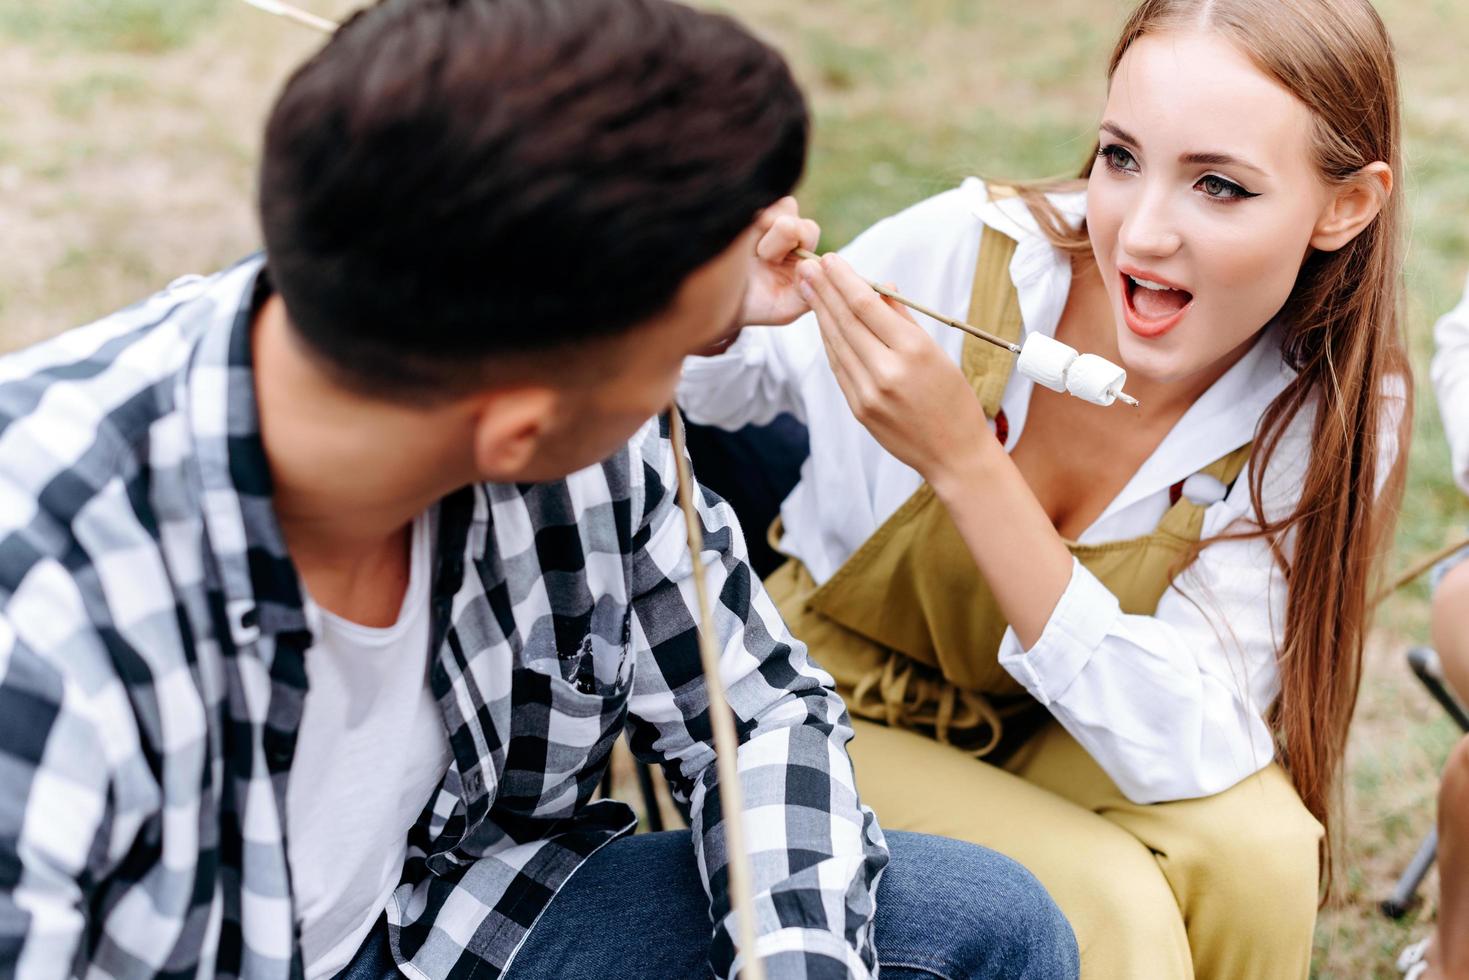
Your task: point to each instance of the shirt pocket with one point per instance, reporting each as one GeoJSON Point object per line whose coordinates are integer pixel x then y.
{"type": "Point", "coordinates": [599, 665]}
{"type": "Point", "coordinates": [565, 716]}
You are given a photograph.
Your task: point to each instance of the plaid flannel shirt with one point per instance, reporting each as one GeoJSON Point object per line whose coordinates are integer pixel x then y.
{"type": "Point", "coordinates": [152, 677]}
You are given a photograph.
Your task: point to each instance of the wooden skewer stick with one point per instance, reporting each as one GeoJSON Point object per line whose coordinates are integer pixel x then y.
{"type": "Point", "coordinates": [1419, 567]}
{"type": "Point", "coordinates": [303, 17]}
{"type": "Point", "coordinates": [949, 321]}
{"type": "Point", "coordinates": [973, 331]}
{"type": "Point", "coordinates": [721, 720]}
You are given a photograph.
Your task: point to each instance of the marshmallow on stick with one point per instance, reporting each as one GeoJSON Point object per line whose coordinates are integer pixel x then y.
{"type": "Point", "coordinates": [1042, 359]}
{"type": "Point", "coordinates": [1095, 379]}
{"type": "Point", "coordinates": [1045, 361]}
{"type": "Point", "coordinates": [1048, 362]}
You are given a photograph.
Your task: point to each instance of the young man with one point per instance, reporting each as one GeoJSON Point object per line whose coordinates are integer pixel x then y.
{"type": "Point", "coordinates": [327, 583]}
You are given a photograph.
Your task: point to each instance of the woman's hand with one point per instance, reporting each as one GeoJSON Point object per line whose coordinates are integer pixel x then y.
{"type": "Point", "coordinates": [772, 296]}
{"type": "Point", "coordinates": [897, 380]}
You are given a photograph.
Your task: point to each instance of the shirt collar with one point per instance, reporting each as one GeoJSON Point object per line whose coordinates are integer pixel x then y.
{"type": "Point", "coordinates": [262, 593]}
{"type": "Point", "coordinates": [1223, 418]}
{"type": "Point", "coordinates": [1040, 273]}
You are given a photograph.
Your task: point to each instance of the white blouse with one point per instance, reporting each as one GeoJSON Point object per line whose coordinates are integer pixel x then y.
{"type": "Point", "coordinates": [1451, 384]}
{"type": "Point", "coordinates": [1171, 705]}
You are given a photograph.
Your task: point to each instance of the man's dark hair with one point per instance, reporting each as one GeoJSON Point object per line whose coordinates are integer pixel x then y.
{"type": "Point", "coordinates": [451, 180]}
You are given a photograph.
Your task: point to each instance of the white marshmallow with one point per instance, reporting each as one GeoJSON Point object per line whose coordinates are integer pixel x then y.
{"type": "Point", "coordinates": [1045, 361]}
{"type": "Point", "coordinates": [1095, 379]}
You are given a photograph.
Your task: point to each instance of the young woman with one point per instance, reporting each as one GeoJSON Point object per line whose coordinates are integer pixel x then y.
{"type": "Point", "coordinates": [1120, 645]}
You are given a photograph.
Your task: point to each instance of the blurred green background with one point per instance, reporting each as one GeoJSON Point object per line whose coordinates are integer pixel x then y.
{"type": "Point", "coordinates": [129, 131]}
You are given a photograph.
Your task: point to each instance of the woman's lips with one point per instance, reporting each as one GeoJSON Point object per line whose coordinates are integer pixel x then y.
{"type": "Point", "coordinates": [1148, 327]}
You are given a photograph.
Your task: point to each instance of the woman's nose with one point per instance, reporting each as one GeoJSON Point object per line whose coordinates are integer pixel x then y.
{"type": "Point", "coordinates": [1149, 230]}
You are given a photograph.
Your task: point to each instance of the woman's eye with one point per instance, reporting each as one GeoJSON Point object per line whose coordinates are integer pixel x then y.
{"type": "Point", "coordinates": [1222, 190]}
{"type": "Point", "coordinates": [1118, 158]}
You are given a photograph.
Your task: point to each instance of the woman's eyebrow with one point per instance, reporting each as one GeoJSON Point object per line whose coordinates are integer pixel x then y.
{"type": "Point", "coordinates": [1203, 159]}
{"type": "Point", "coordinates": [1219, 160]}
{"type": "Point", "coordinates": [1121, 133]}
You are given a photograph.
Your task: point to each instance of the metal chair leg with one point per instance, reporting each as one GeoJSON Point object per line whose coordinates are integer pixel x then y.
{"type": "Point", "coordinates": [1424, 662]}
{"type": "Point", "coordinates": [1425, 666]}
{"type": "Point", "coordinates": [1405, 893]}
{"type": "Point", "coordinates": [652, 813]}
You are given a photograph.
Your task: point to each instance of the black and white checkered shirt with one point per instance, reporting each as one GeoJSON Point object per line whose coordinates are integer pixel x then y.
{"type": "Point", "coordinates": [152, 677]}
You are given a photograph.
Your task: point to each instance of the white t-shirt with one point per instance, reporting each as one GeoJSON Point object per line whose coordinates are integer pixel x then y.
{"type": "Point", "coordinates": [371, 750]}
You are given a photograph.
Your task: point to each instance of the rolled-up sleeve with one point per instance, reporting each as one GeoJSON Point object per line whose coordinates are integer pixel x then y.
{"type": "Point", "coordinates": [1173, 705]}
{"type": "Point", "coordinates": [1170, 705]}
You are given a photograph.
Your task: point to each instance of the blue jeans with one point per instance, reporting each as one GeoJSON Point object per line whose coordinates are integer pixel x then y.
{"type": "Point", "coordinates": [636, 910]}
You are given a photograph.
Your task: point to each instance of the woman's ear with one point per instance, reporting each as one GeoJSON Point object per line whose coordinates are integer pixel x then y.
{"type": "Point", "coordinates": [1352, 207]}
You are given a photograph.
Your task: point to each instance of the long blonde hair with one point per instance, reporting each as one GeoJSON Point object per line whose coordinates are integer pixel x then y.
{"type": "Point", "coordinates": [1343, 335]}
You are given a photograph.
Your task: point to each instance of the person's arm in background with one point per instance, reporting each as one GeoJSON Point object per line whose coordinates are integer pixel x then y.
{"type": "Point", "coordinates": [1451, 384]}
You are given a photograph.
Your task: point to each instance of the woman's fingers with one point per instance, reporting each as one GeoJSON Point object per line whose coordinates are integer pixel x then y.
{"type": "Point", "coordinates": [839, 350]}
{"type": "Point", "coordinates": [897, 307]}
{"type": "Point", "coordinates": [869, 389]}
{"type": "Point", "coordinates": [853, 390]}
{"type": "Point", "coordinates": [850, 322]}
{"type": "Point", "coordinates": [888, 322]}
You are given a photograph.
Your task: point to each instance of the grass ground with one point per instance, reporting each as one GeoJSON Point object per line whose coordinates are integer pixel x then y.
{"type": "Point", "coordinates": [129, 129]}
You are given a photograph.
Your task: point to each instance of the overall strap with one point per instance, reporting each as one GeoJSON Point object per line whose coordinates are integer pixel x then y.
{"type": "Point", "coordinates": [994, 306]}
{"type": "Point", "coordinates": [1185, 519]}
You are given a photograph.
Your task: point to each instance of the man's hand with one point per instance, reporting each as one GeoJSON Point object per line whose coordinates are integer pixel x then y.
{"type": "Point", "coordinates": [773, 296]}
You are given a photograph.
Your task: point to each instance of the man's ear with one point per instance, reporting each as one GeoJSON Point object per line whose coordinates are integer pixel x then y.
{"type": "Point", "coordinates": [511, 430]}
{"type": "Point", "coordinates": [1352, 207]}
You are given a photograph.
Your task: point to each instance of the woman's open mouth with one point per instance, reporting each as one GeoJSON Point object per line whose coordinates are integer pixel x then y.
{"type": "Point", "coordinates": [1151, 307]}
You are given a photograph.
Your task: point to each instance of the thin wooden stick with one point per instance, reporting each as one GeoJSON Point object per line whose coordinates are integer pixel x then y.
{"type": "Point", "coordinates": [303, 17]}
{"type": "Point", "coordinates": [973, 331]}
{"type": "Point", "coordinates": [721, 720]}
{"type": "Point", "coordinates": [1419, 567]}
{"type": "Point", "coordinates": [948, 321]}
